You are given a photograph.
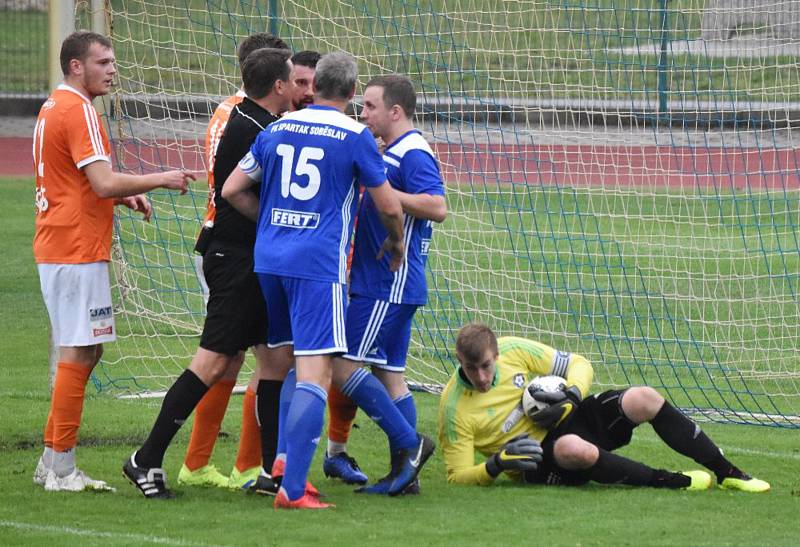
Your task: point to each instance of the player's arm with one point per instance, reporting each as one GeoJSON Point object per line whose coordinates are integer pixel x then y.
{"type": "Point", "coordinates": [459, 460]}
{"type": "Point", "coordinates": [391, 215]}
{"type": "Point", "coordinates": [424, 206]}
{"type": "Point", "coordinates": [578, 373]}
{"type": "Point", "coordinates": [236, 191]}
{"type": "Point", "coordinates": [456, 440]}
{"type": "Point", "coordinates": [424, 190]}
{"type": "Point", "coordinates": [519, 454]}
{"type": "Point", "coordinates": [108, 184]}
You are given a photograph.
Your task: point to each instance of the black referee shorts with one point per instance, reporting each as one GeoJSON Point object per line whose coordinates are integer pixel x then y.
{"type": "Point", "coordinates": [236, 315]}
{"type": "Point", "coordinates": [598, 420]}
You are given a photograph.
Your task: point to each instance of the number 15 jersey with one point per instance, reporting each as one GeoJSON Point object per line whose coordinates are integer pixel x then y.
{"type": "Point", "coordinates": [310, 164]}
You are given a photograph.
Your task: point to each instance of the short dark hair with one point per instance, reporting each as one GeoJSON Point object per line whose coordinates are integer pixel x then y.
{"type": "Point", "coordinates": [259, 40]}
{"type": "Point", "coordinates": [397, 90]}
{"type": "Point", "coordinates": [473, 340]}
{"type": "Point", "coordinates": [76, 46]}
{"type": "Point", "coordinates": [262, 68]}
{"type": "Point", "coordinates": [306, 58]}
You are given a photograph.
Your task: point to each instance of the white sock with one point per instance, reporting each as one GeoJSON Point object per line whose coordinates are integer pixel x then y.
{"type": "Point", "coordinates": [64, 462]}
{"type": "Point", "coordinates": [47, 457]}
{"type": "Point", "coordinates": [335, 448]}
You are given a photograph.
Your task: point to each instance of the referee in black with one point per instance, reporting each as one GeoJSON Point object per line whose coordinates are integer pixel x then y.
{"type": "Point", "coordinates": [236, 314]}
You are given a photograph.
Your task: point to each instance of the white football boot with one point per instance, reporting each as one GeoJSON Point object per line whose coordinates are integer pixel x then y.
{"type": "Point", "coordinates": [43, 466]}
{"type": "Point", "coordinates": [66, 477]}
{"type": "Point", "coordinates": [77, 481]}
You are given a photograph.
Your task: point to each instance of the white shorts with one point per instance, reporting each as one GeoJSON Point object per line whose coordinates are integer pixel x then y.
{"type": "Point", "coordinates": [78, 300]}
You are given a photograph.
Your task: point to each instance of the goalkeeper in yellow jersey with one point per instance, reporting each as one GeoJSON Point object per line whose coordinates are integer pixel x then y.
{"type": "Point", "coordinates": [571, 440]}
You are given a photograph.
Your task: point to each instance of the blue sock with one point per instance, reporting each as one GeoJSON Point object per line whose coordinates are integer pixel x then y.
{"type": "Point", "coordinates": [287, 391]}
{"type": "Point", "coordinates": [405, 404]}
{"type": "Point", "coordinates": [370, 395]}
{"type": "Point", "coordinates": [303, 429]}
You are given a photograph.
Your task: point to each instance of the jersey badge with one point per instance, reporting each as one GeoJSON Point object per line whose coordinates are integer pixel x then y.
{"type": "Point", "coordinates": [425, 245]}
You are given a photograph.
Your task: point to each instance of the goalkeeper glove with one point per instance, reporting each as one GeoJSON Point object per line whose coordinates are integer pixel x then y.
{"type": "Point", "coordinates": [560, 405]}
{"type": "Point", "coordinates": [519, 454]}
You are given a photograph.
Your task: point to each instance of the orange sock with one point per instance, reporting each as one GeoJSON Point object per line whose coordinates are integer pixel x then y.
{"type": "Point", "coordinates": [249, 454]}
{"type": "Point", "coordinates": [48, 430]}
{"type": "Point", "coordinates": [66, 405]}
{"type": "Point", "coordinates": [208, 417]}
{"type": "Point", "coordinates": [342, 413]}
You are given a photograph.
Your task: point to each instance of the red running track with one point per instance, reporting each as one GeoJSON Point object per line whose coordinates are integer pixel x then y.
{"type": "Point", "coordinates": [567, 165]}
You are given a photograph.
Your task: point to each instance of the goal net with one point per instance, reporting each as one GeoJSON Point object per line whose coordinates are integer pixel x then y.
{"type": "Point", "coordinates": [618, 185]}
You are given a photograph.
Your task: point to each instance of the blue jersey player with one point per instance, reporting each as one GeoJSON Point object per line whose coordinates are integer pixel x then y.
{"type": "Point", "coordinates": [382, 301]}
{"type": "Point", "coordinates": [310, 164]}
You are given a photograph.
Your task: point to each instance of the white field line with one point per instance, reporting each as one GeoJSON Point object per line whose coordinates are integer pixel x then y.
{"type": "Point", "coordinates": [737, 450]}
{"type": "Point", "coordinates": [66, 530]}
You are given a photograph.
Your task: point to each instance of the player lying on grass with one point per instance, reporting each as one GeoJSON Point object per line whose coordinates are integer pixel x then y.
{"type": "Point", "coordinates": [76, 191]}
{"type": "Point", "coordinates": [480, 410]}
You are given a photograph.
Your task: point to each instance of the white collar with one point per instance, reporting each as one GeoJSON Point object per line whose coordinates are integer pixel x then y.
{"type": "Point", "coordinates": [65, 87]}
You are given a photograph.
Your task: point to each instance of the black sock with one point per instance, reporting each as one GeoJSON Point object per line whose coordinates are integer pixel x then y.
{"type": "Point", "coordinates": [613, 469]}
{"type": "Point", "coordinates": [179, 402]}
{"type": "Point", "coordinates": [723, 469]}
{"type": "Point", "coordinates": [668, 479]}
{"type": "Point", "coordinates": [268, 399]}
{"type": "Point", "coordinates": [685, 437]}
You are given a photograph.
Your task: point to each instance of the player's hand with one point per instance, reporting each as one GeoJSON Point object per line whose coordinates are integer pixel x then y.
{"type": "Point", "coordinates": [138, 203]}
{"type": "Point", "coordinates": [397, 253]}
{"type": "Point", "coordinates": [519, 454]}
{"type": "Point", "coordinates": [560, 405]}
{"type": "Point", "coordinates": [178, 180]}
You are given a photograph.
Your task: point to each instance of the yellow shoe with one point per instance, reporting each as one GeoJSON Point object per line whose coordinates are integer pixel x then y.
{"type": "Point", "coordinates": [244, 479]}
{"type": "Point", "coordinates": [205, 476]}
{"type": "Point", "coordinates": [700, 480]}
{"type": "Point", "coordinates": [747, 484]}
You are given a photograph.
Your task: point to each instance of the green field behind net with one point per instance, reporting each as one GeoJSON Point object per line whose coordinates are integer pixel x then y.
{"type": "Point", "coordinates": [576, 268]}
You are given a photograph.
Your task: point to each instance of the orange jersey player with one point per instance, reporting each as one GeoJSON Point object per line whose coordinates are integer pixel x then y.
{"type": "Point", "coordinates": [73, 223]}
{"type": "Point", "coordinates": [76, 191]}
{"type": "Point", "coordinates": [214, 131]}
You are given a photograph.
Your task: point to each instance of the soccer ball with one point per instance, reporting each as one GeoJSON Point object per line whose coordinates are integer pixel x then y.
{"type": "Point", "coordinates": [540, 383]}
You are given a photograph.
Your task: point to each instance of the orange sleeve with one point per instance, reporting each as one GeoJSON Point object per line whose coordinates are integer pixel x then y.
{"type": "Point", "coordinates": [86, 137]}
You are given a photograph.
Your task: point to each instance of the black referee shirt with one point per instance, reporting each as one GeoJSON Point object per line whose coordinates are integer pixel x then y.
{"type": "Point", "coordinates": [246, 122]}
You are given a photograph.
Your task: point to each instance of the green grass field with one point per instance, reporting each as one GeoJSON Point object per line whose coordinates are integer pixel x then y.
{"type": "Point", "coordinates": [443, 514]}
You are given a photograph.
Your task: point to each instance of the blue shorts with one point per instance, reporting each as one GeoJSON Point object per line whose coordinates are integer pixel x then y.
{"type": "Point", "coordinates": [378, 332]}
{"type": "Point", "coordinates": [309, 314]}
